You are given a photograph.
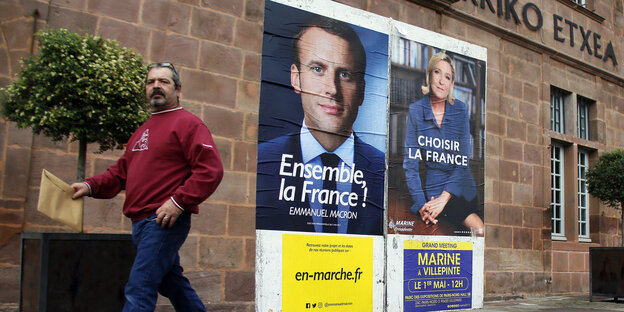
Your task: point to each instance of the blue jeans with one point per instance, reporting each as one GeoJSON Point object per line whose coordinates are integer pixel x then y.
{"type": "Point", "coordinates": [157, 269]}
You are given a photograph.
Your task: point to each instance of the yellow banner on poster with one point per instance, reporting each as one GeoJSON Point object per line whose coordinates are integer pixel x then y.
{"type": "Point", "coordinates": [423, 245]}
{"type": "Point", "coordinates": [327, 273]}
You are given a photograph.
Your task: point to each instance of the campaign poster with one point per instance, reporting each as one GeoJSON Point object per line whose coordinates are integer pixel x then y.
{"type": "Point", "coordinates": [436, 147]}
{"type": "Point", "coordinates": [327, 273]}
{"type": "Point", "coordinates": [322, 119]}
{"type": "Point", "coordinates": [298, 271]}
{"type": "Point", "coordinates": [437, 276]}
{"type": "Point", "coordinates": [434, 273]}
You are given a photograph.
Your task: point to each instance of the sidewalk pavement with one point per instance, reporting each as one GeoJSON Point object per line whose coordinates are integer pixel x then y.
{"type": "Point", "coordinates": [555, 303]}
{"type": "Point", "coordinates": [548, 304]}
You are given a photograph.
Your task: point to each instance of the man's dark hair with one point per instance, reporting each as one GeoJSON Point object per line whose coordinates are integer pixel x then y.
{"type": "Point", "coordinates": [337, 28]}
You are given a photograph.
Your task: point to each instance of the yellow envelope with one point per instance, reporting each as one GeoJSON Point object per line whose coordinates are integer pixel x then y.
{"type": "Point", "coordinates": [55, 201]}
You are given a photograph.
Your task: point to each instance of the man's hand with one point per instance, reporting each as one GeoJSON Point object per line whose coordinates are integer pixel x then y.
{"type": "Point", "coordinates": [167, 214]}
{"type": "Point", "coordinates": [81, 189]}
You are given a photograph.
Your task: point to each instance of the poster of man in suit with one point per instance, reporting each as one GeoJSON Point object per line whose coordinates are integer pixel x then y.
{"type": "Point", "coordinates": [322, 124]}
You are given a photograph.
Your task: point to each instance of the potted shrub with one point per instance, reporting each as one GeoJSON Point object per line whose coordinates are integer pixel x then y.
{"type": "Point", "coordinates": [605, 181]}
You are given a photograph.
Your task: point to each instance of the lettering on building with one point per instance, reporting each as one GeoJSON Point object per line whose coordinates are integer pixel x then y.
{"type": "Point", "coordinates": [565, 29]}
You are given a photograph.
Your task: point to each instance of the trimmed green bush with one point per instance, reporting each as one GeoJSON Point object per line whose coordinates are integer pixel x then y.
{"type": "Point", "coordinates": [80, 88]}
{"type": "Point", "coordinates": [605, 180]}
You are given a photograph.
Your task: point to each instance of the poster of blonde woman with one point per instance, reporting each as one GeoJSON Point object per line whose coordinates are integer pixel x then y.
{"type": "Point", "coordinates": [436, 139]}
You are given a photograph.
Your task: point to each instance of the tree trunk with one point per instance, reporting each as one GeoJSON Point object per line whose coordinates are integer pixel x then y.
{"type": "Point", "coordinates": [622, 209]}
{"type": "Point", "coordinates": [82, 159]}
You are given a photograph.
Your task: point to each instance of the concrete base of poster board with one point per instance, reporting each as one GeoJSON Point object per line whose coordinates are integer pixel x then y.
{"type": "Point", "coordinates": [352, 264]}
{"type": "Point", "coordinates": [430, 291]}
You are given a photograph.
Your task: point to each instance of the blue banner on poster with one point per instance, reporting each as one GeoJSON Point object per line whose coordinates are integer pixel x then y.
{"type": "Point", "coordinates": [437, 276]}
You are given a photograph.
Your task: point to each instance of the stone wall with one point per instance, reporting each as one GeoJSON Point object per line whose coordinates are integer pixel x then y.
{"type": "Point", "coordinates": [216, 45]}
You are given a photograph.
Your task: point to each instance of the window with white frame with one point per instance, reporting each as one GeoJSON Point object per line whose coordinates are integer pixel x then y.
{"type": "Point", "coordinates": [579, 2]}
{"type": "Point", "coordinates": [583, 196]}
{"type": "Point", "coordinates": [582, 114]}
{"type": "Point", "coordinates": [557, 117]}
{"type": "Point", "coordinates": [578, 153]}
{"type": "Point", "coordinates": [557, 191]}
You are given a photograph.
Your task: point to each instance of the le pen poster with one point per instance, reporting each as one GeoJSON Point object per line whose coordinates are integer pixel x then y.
{"type": "Point", "coordinates": [370, 139]}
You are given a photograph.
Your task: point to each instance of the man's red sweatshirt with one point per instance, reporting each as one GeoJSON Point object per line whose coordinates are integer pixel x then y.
{"type": "Point", "coordinates": [172, 155]}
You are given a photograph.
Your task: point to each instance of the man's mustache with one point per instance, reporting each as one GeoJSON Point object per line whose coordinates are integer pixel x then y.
{"type": "Point", "coordinates": [157, 92]}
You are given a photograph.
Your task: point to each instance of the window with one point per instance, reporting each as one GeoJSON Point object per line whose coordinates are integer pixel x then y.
{"type": "Point", "coordinates": [583, 196]}
{"type": "Point", "coordinates": [579, 2]}
{"type": "Point", "coordinates": [568, 178]}
{"type": "Point", "coordinates": [557, 117]}
{"type": "Point", "coordinates": [556, 188]}
{"type": "Point", "coordinates": [582, 113]}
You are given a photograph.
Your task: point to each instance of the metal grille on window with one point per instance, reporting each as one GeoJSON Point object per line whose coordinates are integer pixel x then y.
{"type": "Point", "coordinates": [583, 197]}
{"type": "Point", "coordinates": [583, 117]}
{"type": "Point", "coordinates": [556, 172]}
{"type": "Point", "coordinates": [556, 110]}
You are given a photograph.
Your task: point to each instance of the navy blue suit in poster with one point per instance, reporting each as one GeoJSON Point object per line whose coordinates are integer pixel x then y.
{"type": "Point", "coordinates": [275, 214]}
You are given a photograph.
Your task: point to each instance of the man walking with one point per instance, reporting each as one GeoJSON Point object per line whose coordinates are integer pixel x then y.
{"type": "Point", "coordinates": [170, 166]}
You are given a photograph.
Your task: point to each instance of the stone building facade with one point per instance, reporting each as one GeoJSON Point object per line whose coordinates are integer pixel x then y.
{"type": "Point", "coordinates": [540, 53]}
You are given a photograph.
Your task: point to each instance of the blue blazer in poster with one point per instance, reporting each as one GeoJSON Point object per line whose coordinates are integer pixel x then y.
{"type": "Point", "coordinates": [291, 194]}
